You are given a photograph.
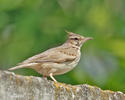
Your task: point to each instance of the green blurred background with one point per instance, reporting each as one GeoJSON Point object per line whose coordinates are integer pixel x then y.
{"type": "Point", "coordinates": [28, 27]}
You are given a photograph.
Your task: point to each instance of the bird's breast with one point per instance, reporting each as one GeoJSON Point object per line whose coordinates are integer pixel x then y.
{"type": "Point", "coordinates": [75, 62]}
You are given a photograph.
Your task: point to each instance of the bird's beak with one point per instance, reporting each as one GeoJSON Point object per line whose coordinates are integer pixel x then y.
{"type": "Point", "coordinates": [87, 38]}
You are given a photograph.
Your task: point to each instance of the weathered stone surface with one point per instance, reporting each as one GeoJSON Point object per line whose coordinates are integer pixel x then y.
{"type": "Point", "coordinates": [17, 87]}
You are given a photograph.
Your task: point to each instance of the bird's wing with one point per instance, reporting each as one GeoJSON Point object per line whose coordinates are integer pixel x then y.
{"type": "Point", "coordinates": [52, 55]}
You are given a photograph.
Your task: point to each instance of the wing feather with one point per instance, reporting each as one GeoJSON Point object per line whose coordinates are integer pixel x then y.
{"type": "Point", "coordinates": [50, 56]}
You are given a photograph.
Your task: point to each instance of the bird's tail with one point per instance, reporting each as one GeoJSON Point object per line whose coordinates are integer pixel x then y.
{"type": "Point", "coordinates": [16, 67]}
{"type": "Point", "coordinates": [22, 66]}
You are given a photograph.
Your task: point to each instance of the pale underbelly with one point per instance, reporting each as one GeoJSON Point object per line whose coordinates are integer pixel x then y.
{"type": "Point", "coordinates": [54, 68]}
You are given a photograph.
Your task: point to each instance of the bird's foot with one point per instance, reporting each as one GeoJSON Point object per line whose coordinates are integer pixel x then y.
{"type": "Point", "coordinates": [61, 85]}
{"type": "Point", "coordinates": [58, 84]}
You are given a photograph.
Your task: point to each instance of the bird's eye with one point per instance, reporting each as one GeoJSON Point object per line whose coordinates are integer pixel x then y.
{"type": "Point", "coordinates": [76, 39]}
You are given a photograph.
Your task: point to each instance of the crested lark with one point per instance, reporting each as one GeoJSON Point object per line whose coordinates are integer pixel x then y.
{"type": "Point", "coordinates": [58, 60]}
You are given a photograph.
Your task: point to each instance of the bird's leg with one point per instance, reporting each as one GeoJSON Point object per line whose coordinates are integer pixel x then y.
{"type": "Point", "coordinates": [51, 76]}
{"type": "Point", "coordinates": [58, 84]}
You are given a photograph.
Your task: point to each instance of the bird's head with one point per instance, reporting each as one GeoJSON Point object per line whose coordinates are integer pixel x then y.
{"type": "Point", "coordinates": [76, 39]}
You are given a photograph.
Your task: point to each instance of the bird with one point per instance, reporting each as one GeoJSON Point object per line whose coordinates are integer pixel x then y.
{"type": "Point", "coordinates": [58, 60]}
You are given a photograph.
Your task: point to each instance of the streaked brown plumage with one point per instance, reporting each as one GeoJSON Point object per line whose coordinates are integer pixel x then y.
{"type": "Point", "coordinates": [58, 60]}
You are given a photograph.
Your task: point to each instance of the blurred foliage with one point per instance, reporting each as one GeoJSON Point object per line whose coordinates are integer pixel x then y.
{"type": "Point", "coordinates": [28, 27]}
